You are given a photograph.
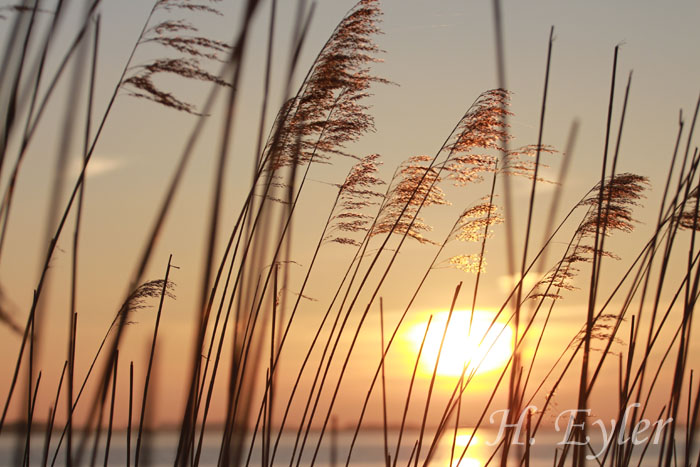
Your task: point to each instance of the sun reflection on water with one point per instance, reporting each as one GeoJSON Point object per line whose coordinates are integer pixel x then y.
{"type": "Point", "coordinates": [474, 456]}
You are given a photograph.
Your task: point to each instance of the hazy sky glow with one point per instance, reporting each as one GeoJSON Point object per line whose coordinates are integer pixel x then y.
{"type": "Point", "coordinates": [441, 56]}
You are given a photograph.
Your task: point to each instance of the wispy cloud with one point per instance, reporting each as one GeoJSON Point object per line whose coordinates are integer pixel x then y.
{"type": "Point", "coordinates": [99, 165]}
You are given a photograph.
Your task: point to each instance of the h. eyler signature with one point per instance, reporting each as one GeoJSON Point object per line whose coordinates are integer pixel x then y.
{"type": "Point", "coordinates": [637, 434]}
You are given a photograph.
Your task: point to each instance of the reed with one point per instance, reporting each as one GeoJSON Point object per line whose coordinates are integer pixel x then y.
{"type": "Point", "coordinates": [254, 289]}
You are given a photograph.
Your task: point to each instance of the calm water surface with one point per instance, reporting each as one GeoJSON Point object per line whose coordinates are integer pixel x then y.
{"type": "Point", "coordinates": [368, 450]}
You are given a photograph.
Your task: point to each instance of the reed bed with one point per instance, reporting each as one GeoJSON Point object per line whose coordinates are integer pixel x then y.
{"type": "Point", "coordinates": [242, 391]}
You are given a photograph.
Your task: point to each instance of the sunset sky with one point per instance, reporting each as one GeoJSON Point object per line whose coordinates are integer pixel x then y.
{"type": "Point", "coordinates": [441, 56]}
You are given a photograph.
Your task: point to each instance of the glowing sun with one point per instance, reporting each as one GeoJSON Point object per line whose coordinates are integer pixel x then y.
{"type": "Point", "coordinates": [463, 345]}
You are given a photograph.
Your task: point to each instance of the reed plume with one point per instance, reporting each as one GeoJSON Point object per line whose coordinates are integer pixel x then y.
{"type": "Point", "coordinates": [482, 131]}
{"type": "Point", "coordinates": [474, 221]}
{"type": "Point", "coordinates": [518, 162]}
{"type": "Point", "coordinates": [327, 113]}
{"type": "Point", "coordinates": [688, 219]}
{"type": "Point", "coordinates": [357, 193]}
{"type": "Point", "coordinates": [473, 225]}
{"type": "Point", "coordinates": [482, 125]}
{"type": "Point", "coordinates": [138, 299]}
{"type": "Point", "coordinates": [603, 329]}
{"type": "Point", "coordinates": [414, 186]}
{"type": "Point", "coordinates": [180, 36]}
{"type": "Point", "coordinates": [620, 194]}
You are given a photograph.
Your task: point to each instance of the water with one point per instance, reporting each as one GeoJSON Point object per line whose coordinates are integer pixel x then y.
{"type": "Point", "coordinates": [368, 450]}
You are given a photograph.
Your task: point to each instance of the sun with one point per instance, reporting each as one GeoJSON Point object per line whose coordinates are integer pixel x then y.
{"type": "Point", "coordinates": [463, 343]}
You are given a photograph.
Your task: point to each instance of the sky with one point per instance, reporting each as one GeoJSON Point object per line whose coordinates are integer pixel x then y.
{"type": "Point", "coordinates": [441, 56]}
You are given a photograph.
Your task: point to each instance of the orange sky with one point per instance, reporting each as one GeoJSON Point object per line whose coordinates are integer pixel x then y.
{"type": "Point", "coordinates": [441, 55]}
